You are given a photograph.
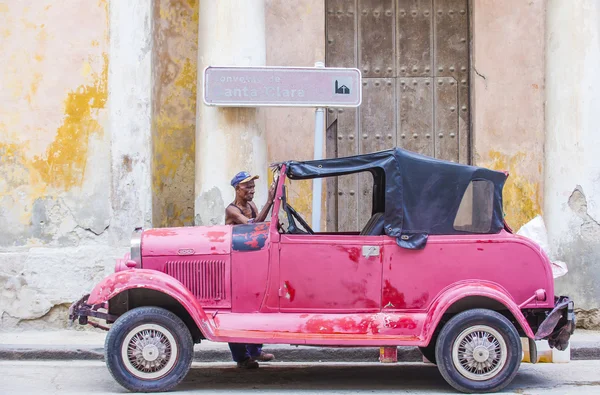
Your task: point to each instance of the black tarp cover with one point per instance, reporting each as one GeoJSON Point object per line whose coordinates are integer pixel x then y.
{"type": "Point", "coordinates": [421, 195]}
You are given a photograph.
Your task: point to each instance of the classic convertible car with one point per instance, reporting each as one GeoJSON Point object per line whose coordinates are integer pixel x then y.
{"type": "Point", "coordinates": [435, 267]}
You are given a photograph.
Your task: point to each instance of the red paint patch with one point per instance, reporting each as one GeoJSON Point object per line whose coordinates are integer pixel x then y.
{"type": "Point", "coordinates": [403, 323]}
{"type": "Point", "coordinates": [353, 252]}
{"type": "Point", "coordinates": [419, 302]}
{"type": "Point", "coordinates": [346, 325]}
{"type": "Point", "coordinates": [216, 237]}
{"type": "Point", "coordinates": [253, 244]}
{"type": "Point", "coordinates": [391, 295]}
{"type": "Point", "coordinates": [160, 232]}
{"type": "Point", "coordinates": [364, 302]}
{"type": "Point", "coordinates": [291, 291]}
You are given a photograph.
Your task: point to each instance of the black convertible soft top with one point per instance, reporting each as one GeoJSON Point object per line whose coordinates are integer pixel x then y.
{"type": "Point", "coordinates": [418, 195]}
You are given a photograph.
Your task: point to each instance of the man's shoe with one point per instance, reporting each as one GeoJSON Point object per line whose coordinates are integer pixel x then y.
{"type": "Point", "coordinates": [248, 364]}
{"type": "Point", "coordinates": [265, 357]}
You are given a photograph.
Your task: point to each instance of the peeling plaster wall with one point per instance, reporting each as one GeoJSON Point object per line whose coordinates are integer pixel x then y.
{"type": "Point", "coordinates": [295, 37]}
{"type": "Point", "coordinates": [508, 99]}
{"type": "Point", "coordinates": [175, 68]}
{"type": "Point", "coordinates": [54, 154]}
{"type": "Point", "coordinates": [572, 196]}
{"type": "Point", "coordinates": [72, 168]}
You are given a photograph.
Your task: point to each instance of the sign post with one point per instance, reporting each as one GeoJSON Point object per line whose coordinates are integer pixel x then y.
{"type": "Point", "coordinates": [318, 183]}
{"type": "Point", "coordinates": [317, 87]}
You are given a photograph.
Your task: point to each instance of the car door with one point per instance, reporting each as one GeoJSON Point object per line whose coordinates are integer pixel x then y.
{"type": "Point", "coordinates": [330, 273]}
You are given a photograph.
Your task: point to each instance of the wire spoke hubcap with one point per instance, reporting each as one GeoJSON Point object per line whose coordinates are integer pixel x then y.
{"type": "Point", "coordinates": [479, 353]}
{"type": "Point", "coordinates": [149, 351]}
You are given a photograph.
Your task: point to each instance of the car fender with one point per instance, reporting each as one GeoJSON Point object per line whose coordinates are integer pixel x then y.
{"type": "Point", "coordinates": [121, 281]}
{"type": "Point", "coordinates": [462, 290]}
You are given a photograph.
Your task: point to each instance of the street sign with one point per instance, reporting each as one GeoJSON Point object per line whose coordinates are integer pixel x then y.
{"type": "Point", "coordinates": [282, 86]}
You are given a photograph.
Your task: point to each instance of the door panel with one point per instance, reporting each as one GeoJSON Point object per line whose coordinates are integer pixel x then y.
{"type": "Point", "coordinates": [416, 115]}
{"type": "Point", "coordinates": [376, 38]}
{"type": "Point", "coordinates": [347, 193]}
{"type": "Point", "coordinates": [414, 38]}
{"type": "Point", "coordinates": [329, 274]}
{"type": "Point", "coordinates": [446, 120]}
{"type": "Point", "coordinates": [377, 125]}
{"type": "Point", "coordinates": [407, 47]}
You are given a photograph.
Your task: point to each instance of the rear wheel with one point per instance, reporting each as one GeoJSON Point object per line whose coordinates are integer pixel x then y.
{"type": "Point", "coordinates": [149, 349]}
{"type": "Point", "coordinates": [478, 351]}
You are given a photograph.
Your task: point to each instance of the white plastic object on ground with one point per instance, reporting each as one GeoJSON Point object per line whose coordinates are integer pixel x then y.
{"type": "Point", "coordinates": [536, 231]}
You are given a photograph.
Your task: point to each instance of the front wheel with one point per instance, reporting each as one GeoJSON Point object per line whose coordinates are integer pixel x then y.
{"type": "Point", "coordinates": [149, 349]}
{"type": "Point", "coordinates": [478, 351]}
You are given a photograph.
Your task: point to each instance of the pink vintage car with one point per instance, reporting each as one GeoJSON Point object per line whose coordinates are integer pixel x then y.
{"type": "Point", "coordinates": [436, 267]}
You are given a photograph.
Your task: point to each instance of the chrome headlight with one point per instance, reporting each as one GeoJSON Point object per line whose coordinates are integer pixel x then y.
{"type": "Point", "coordinates": [136, 247]}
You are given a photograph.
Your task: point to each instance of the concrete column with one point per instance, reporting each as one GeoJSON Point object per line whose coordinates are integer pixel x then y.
{"type": "Point", "coordinates": [572, 193]}
{"type": "Point", "coordinates": [130, 93]}
{"type": "Point", "coordinates": [228, 140]}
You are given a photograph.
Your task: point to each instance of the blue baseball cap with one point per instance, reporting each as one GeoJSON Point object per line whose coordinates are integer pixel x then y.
{"type": "Point", "coordinates": [242, 176]}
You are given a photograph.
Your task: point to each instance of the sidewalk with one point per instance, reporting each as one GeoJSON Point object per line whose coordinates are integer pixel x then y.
{"type": "Point", "coordinates": [72, 344]}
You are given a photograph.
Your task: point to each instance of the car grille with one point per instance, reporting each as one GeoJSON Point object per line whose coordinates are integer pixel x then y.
{"type": "Point", "coordinates": [205, 279]}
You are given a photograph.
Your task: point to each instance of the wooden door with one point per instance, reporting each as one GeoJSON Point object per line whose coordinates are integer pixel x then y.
{"type": "Point", "coordinates": [414, 59]}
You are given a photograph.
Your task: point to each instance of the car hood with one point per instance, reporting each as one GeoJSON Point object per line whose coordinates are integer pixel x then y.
{"type": "Point", "coordinates": [185, 241]}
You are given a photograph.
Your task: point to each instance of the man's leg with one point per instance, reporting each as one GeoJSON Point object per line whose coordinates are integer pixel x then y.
{"type": "Point", "coordinates": [256, 353]}
{"type": "Point", "coordinates": [240, 354]}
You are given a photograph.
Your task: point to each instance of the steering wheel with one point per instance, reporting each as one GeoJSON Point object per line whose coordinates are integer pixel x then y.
{"type": "Point", "coordinates": [292, 228]}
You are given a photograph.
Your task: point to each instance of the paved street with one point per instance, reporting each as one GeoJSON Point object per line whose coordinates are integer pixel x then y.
{"type": "Point", "coordinates": [77, 377]}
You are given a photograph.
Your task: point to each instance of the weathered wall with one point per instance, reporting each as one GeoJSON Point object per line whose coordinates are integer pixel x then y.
{"type": "Point", "coordinates": [295, 37]}
{"type": "Point", "coordinates": [572, 196]}
{"type": "Point", "coordinates": [61, 212]}
{"type": "Point", "coordinates": [508, 99]}
{"type": "Point", "coordinates": [53, 114]}
{"type": "Point", "coordinates": [175, 59]}
{"type": "Point", "coordinates": [228, 140]}
{"type": "Point", "coordinates": [130, 97]}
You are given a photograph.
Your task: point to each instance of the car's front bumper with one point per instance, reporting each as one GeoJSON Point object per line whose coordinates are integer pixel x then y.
{"type": "Point", "coordinates": [81, 310]}
{"type": "Point", "coordinates": [559, 324]}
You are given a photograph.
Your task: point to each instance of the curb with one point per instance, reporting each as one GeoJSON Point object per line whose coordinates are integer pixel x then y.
{"type": "Point", "coordinates": [317, 354]}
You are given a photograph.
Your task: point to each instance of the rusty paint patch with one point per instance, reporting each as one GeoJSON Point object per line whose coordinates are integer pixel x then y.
{"type": "Point", "coordinates": [522, 195]}
{"type": "Point", "coordinates": [250, 237]}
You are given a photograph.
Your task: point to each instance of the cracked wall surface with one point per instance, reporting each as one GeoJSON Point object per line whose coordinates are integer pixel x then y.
{"type": "Point", "coordinates": [572, 204]}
